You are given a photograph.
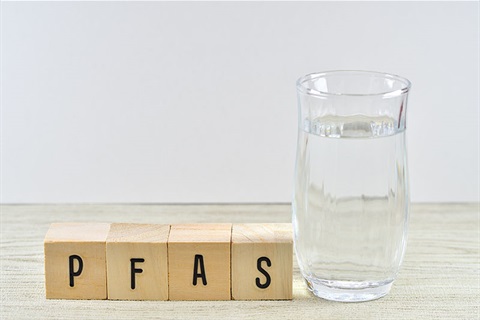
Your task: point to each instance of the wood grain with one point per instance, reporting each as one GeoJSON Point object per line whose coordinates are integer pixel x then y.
{"type": "Point", "coordinates": [85, 242]}
{"type": "Point", "coordinates": [439, 278]}
{"type": "Point", "coordinates": [254, 241]}
{"type": "Point", "coordinates": [147, 242]}
{"type": "Point", "coordinates": [199, 249]}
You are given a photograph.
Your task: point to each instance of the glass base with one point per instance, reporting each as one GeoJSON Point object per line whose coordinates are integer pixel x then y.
{"type": "Point", "coordinates": [349, 291]}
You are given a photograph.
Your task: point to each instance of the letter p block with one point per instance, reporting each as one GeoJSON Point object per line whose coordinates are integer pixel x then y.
{"type": "Point", "coordinates": [75, 262]}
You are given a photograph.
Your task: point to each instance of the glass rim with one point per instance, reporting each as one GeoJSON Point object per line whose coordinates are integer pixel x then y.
{"type": "Point", "coordinates": [406, 84]}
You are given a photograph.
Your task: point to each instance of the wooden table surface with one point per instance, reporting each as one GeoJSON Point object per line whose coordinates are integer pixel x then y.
{"type": "Point", "coordinates": [439, 279]}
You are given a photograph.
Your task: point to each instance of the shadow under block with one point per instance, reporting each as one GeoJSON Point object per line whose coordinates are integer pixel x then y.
{"type": "Point", "coordinates": [262, 261]}
{"type": "Point", "coordinates": [199, 262]}
{"type": "Point", "coordinates": [75, 262]}
{"type": "Point", "coordinates": [137, 267]}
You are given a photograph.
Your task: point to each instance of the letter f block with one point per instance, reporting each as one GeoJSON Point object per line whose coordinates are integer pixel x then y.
{"type": "Point", "coordinates": [262, 261]}
{"type": "Point", "coordinates": [199, 262]}
{"type": "Point", "coordinates": [75, 262]}
{"type": "Point", "coordinates": [137, 262]}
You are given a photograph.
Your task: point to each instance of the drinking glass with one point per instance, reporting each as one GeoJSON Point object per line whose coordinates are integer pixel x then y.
{"type": "Point", "coordinates": [350, 206]}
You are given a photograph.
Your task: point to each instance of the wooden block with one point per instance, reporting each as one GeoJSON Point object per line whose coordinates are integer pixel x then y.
{"type": "Point", "coordinates": [262, 261]}
{"type": "Point", "coordinates": [75, 265]}
{"type": "Point", "coordinates": [137, 267]}
{"type": "Point", "coordinates": [199, 262]}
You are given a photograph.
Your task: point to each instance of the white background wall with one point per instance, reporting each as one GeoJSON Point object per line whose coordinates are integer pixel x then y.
{"type": "Point", "coordinates": [196, 102]}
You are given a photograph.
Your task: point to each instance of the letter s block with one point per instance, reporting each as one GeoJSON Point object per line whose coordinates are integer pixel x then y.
{"type": "Point", "coordinates": [262, 261]}
{"type": "Point", "coordinates": [199, 262]}
{"type": "Point", "coordinates": [137, 261]}
{"type": "Point", "coordinates": [75, 262]}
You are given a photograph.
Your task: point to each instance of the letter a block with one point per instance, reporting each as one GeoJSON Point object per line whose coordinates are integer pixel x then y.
{"type": "Point", "coordinates": [262, 261]}
{"type": "Point", "coordinates": [199, 262]}
{"type": "Point", "coordinates": [75, 264]}
{"type": "Point", "coordinates": [137, 267]}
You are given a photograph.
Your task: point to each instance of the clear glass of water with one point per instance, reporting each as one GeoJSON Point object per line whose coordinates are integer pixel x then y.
{"type": "Point", "coordinates": [350, 206]}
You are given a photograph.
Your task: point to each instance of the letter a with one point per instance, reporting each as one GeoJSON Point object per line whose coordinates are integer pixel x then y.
{"type": "Point", "coordinates": [199, 260]}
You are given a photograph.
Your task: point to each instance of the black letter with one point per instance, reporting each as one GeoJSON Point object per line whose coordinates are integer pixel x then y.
{"type": "Point", "coordinates": [265, 273]}
{"type": "Point", "coordinates": [70, 267]}
{"type": "Point", "coordinates": [134, 270]}
{"type": "Point", "coordinates": [199, 258]}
